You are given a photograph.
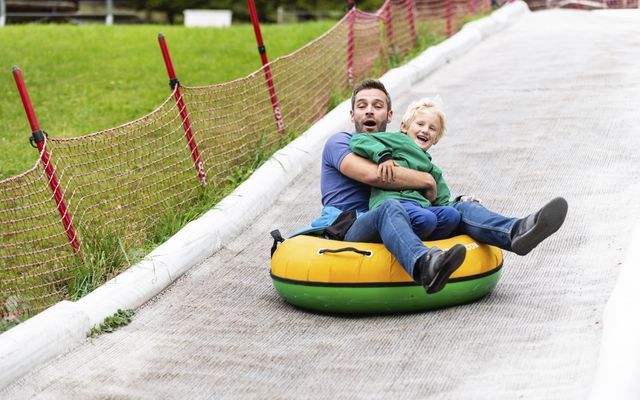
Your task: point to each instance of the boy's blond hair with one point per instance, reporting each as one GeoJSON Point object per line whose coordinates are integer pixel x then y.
{"type": "Point", "coordinates": [426, 104]}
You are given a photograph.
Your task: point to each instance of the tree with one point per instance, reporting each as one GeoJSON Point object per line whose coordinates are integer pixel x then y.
{"type": "Point", "coordinates": [170, 7]}
{"type": "Point", "coordinates": [266, 8]}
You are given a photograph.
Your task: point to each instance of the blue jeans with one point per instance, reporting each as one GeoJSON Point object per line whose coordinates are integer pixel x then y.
{"type": "Point", "coordinates": [432, 223]}
{"type": "Point", "coordinates": [389, 224]}
{"type": "Point", "coordinates": [484, 225]}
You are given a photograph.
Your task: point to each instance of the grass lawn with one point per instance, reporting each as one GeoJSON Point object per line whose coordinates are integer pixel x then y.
{"type": "Point", "coordinates": [83, 79]}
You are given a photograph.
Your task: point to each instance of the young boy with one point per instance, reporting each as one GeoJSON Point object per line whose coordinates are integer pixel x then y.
{"type": "Point", "coordinates": [422, 126]}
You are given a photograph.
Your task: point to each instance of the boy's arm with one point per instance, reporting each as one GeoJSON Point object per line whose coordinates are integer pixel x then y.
{"type": "Point", "coordinates": [369, 147]}
{"type": "Point", "coordinates": [365, 171]}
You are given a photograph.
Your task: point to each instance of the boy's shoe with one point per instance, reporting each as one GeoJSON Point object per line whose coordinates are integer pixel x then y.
{"type": "Point", "coordinates": [436, 266]}
{"type": "Point", "coordinates": [534, 228]}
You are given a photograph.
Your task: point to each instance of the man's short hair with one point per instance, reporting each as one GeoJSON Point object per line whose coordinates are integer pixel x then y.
{"type": "Point", "coordinates": [370, 84]}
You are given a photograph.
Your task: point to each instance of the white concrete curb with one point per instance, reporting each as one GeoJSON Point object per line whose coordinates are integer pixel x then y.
{"type": "Point", "coordinates": [65, 325]}
{"type": "Point", "coordinates": [53, 332]}
{"type": "Point", "coordinates": [619, 360]}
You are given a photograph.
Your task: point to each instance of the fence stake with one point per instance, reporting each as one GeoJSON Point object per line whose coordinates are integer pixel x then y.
{"type": "Point", "coordinates": [448, 10]}
{"type": "Point", "coordinates": [175, 87]}
{"type": "Point", "coordinates": [39, 138]}
{"type": "Point", "coordinates": [351, 19]}
{"type": "Point", "coordinates": [266, 67]}
{"type": "Point", "coordinates": [388, 22]}
{"type": "Point", "coordinates": [412, 24]}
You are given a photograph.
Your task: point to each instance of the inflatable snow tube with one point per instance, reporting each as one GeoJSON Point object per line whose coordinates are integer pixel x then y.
{"type": "Point", "coordinates": [357, 278]}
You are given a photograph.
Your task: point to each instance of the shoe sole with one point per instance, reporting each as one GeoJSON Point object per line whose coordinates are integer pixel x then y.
{"type": "Point", "coordinates": [453, 260]}
{"type": "Point", "coordinates": [550, 219]}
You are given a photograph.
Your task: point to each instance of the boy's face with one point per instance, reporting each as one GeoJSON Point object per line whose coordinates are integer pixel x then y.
{"type": "Point", "coordinates": [425, 129]}
{"type": "Point", "coordinates": [370, 112]}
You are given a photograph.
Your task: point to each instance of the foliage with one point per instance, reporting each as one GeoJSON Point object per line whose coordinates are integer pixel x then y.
{"type": "Point", "coordinates": [110, 324]}
{"type": "Point", "coordinates": [337, 96]}
{"type": "Point", "coordinates": [103, 257]}
{"type": "Point", "coordinates": [266, 8]}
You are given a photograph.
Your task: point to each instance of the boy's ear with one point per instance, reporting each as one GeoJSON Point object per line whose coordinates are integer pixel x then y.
{"type": "Point", "coordinates": [403, 127]}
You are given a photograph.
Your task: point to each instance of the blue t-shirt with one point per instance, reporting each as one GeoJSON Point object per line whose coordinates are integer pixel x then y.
{"type": "Point", "coordinates": [338, 190]}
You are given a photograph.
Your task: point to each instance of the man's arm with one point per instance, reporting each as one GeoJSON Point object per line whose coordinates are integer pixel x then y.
{"type": "Point", "coordinates": [365, 171]}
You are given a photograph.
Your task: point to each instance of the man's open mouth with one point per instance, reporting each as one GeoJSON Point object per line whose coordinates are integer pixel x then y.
{"type": "Point", "coordinates": [370, 123]}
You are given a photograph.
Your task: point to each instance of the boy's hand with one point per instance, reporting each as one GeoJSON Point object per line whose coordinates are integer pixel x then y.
{"type": "Point", "coordinates": [471, 197]}
{"type": "Point", "coordinates": [385, 171]}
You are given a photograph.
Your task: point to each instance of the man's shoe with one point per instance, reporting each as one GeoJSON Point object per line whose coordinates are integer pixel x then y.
{"type": "Point", "coordinates": [436, 266]}
{"type": "Point", "coordinates": [536, 227]}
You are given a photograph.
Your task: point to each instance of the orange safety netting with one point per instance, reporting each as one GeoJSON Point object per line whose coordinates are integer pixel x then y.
{"type": "Point", "coordinates": [399, 24]}
{"type": "Point", "coordinates": [447, 17]}
{"type": "Point", "coordinates": [121, 183]}
{"type": "Point", "coordinates": [368, 45]}
{"type": "Point", "coordinates": [36, 260]}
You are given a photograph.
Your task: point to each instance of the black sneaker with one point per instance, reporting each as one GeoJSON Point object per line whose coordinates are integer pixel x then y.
{"type": "Point", "coordinates": [534, 228]}
{"type": "Point", "coordinates": [436, 266]}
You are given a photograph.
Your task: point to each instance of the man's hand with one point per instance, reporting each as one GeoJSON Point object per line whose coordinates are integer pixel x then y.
{"type": "Point", "coordinates": [471, 197]}
{"type": "Point", "coordinates": [385, 170]}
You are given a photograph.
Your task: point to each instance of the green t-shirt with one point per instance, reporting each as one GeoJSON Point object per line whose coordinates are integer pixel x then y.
{"type": "Point", "coordinates": [406, 153]}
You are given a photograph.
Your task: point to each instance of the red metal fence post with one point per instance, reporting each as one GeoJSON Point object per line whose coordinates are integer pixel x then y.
{"type": "Point", "coordinates": [412, 24]}
{"type": "Point", "coordinates": [266, 68]}
{"type": "Point", "coordinates": [388, 22]}
{"type": "Point", "coordinates": [351, 19]}
{"type": "Point", "coordinates": [39, 138]}
{"type": "Point", "coordinates": [186, 124]}
{"type": "Point", "coordinates": [448, 10]}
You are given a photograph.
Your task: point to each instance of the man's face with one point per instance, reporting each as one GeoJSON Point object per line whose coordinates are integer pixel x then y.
{"type": "Point", "coordinates": [370, 112]}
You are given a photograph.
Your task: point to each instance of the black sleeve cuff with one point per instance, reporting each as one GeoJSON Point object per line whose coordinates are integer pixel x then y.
{"type": "Point", "coordinates": [385, 157]}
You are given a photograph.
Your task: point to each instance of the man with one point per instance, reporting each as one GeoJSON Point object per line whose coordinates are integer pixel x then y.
{"type": "Point", "coordinates": [345, 185]}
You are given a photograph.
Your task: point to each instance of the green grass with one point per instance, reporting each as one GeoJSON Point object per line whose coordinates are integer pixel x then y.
{"type": "Point", "coordinates": [83, 79]}
{"type": "Point", "coordinates": [110, 324]}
